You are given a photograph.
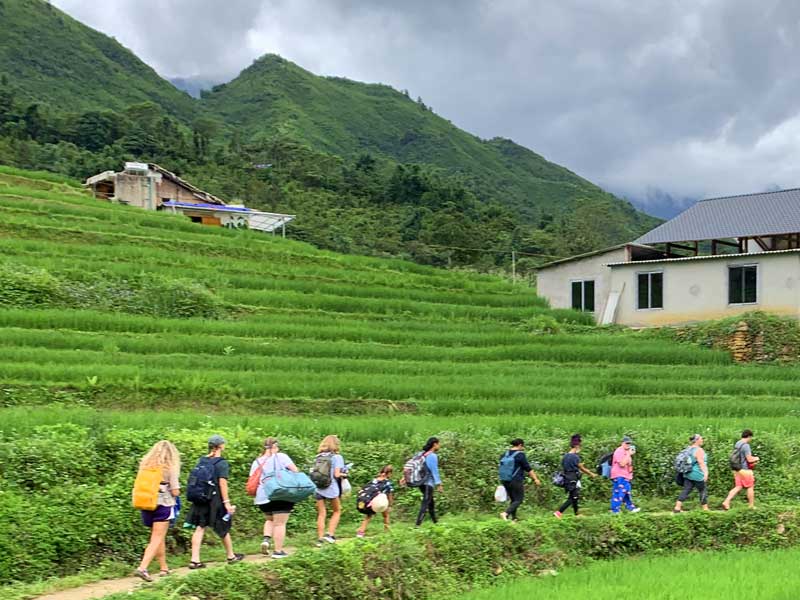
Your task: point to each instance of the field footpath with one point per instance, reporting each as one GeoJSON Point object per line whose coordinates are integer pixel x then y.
{"type": "Point", "coordinates": [100, 589]}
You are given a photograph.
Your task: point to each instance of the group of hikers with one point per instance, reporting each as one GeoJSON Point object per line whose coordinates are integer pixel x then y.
{"type": "Point", "coordinates": [277, 485]}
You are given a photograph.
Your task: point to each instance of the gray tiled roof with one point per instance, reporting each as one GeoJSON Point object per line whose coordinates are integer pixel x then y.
{"type": "Point", "coordinates": [768, 213]}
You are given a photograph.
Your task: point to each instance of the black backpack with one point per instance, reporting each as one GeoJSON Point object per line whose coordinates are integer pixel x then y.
{"type": "Point", "coordinates": [367, 494]}
{"type": "Point", "coordinates": [604, 460]}
{"type": "Point", "coordinates": [202, 485]}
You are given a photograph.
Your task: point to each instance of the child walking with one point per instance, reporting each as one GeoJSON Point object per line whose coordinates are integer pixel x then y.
{"type": "Point", "coordinates": [382, 484]}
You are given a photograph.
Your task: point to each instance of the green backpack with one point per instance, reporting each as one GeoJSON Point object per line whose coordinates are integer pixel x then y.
{"type": "Point", "coordinates": [322, 470]}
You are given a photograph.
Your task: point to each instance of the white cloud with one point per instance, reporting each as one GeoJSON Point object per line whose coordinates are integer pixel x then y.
{"type": "Point", "coordinates": [692, 97]}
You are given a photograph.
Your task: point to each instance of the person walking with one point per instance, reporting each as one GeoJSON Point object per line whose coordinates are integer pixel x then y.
{"type": "Point", "coordinates": [211, 505]}
{"type": "Point", "coordinates": [697, 478]}
{"type": "Point", "coordinates": [432, 482]}
{"type": "Point", "coordinates": [327, 475]}
{"type": "Point", "coordinates": [276, 512]}
{"type": "Point", "coordinates": [742, 463]}
{"type": "Point", "coordinates": [621, 476]}
{"type": "Point", "coordinates": [514, 467]}
{"type": "Point", "coordinates": [163, 456]}
{"type": "Point", "coordinates": [572, 467]}
{"type": "Point", "coordinates": [382, 484]}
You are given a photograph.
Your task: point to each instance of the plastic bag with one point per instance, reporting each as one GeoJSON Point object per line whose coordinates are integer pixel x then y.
{"type": "Point", "coordinates": [500, 494]}
{"type": "Point", "coordinates": [347, 489]}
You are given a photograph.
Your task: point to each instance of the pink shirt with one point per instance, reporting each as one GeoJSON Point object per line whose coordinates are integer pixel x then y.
{"type": "Point", "coordinates": [617, 470]}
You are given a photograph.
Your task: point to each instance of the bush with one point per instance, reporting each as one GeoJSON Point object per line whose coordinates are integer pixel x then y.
{"type": "Point", "coordinates": [76, 481]}
{"type": "Point", "coordinates": [450, 559]}
{"type": "Point", "coordinates": [145, 294]}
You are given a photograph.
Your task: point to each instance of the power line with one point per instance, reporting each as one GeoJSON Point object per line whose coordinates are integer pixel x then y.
{"type": "Point", "coordinates": [493, 251]}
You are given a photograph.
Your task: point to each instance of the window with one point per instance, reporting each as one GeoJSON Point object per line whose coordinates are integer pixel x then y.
{"type": "Point", "coordinates": [583, 295]}
{"type": "Point", "coordinates": [650, 290]}
{"type": "Point", "coordinates": [742, 284]}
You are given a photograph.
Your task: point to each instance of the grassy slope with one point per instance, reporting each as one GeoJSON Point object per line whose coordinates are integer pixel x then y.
{"type": "Point", "coordinates": [382, 352]}
{"type": "Point", "coordinates": [276, 97]}
{"type": "Point", "coordinates": [52, 58]}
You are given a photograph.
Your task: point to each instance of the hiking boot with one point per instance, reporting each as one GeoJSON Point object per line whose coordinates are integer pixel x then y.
{"type": "Point", "coordinates": [280, 554]}
{"type": "Point", "coordinates": [330, 539]}
{"type": "Point", "coordinates": [235, 558]}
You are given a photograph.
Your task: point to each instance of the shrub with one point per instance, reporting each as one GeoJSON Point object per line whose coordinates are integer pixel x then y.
{"type": "Point", "coordinates": [450, 559]}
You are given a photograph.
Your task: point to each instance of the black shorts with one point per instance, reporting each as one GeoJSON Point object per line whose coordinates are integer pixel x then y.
{"type": "Point", "coordinates": [200, 515]}
{"type": "Point", "coordinates": [277, 507]}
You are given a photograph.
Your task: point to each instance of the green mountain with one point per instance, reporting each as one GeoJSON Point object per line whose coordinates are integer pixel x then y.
{"type": "Point", "coordinates": [274, 97]}
{"type": "Point", "coordinates": [367, 169]}
{"type": "Point", "coordinates": [52, 58]}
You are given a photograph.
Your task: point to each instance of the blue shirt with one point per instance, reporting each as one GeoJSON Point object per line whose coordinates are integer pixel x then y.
{"type": "Point", "coordinates": [334, 490]}
{"type": "Point", "coordinates": [432, 462]}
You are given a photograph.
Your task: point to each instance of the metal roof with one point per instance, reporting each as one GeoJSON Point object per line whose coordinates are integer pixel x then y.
{"type": "Point", "coordinates": [763, 214]}
{"type": "Point", "coordinates": [214, 207]}
{"type": "Point", "coordinates": [753, 255]}
{"type": "Point", "coordinates": [560, 261]}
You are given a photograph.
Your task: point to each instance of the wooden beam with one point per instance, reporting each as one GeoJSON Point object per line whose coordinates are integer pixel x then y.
{"type": "Point", "coordinates": [713, 247]}
{"type": "Point", "coordinates": [682, 247]}
{"type": "Point", "coordinates": [696, 248]}
{"type": "Point", "coordinates": [742, 245]}
{"type": "Point", "coordinates": [761, 243]}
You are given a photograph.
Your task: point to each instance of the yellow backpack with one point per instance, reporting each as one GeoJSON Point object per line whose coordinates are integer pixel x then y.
{"type": "Point", "coordinates": [145, 488]}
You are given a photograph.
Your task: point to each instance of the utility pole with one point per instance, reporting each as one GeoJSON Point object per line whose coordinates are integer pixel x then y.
{"type": "Point", "coordinates": [514, 266]}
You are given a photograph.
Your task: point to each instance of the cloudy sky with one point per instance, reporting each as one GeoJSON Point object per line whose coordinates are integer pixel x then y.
{"type": "Point", "coordinates": [652, 99]}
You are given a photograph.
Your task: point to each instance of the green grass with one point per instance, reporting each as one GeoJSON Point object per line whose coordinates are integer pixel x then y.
{"type": "Point", "coordinates": [767, 575]}
{"type": "Point", "coordinates": [305, 343]}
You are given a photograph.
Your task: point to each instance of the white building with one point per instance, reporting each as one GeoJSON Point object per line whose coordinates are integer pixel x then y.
{"type": "Point", "coordinates": [720, 257]}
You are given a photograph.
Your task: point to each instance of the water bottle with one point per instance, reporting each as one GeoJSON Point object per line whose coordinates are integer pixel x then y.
{"type": "Point", "coordinates": [228, 515]}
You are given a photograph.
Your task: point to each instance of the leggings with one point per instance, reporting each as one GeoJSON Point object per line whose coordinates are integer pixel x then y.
{"type": "Point", "coordinates": [427, 504]}
{"type": "Point", "coordinates": [515, 491]}
{"type": "Point", "coordinates": [573, 496]}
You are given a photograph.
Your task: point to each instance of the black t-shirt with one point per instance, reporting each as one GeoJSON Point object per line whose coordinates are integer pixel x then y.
{"type": "Point", "coordinates": [570, 464]}
{"type": "Point", "coordinates": [222, 468]}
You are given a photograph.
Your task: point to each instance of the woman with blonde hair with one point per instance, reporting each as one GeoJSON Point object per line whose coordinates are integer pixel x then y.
{"type": "Point", "coordinates": [163, 455]}
{"type": "Point", "coordinates": [276, 512]}
{"type": "Point", "coordinates": [327, 474]}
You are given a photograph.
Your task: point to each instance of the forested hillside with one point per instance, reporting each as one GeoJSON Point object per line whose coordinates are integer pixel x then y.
{"type": "Point", "coordinates": [57, 61]}
{"type": "Point", "coordinates": [366, 169]}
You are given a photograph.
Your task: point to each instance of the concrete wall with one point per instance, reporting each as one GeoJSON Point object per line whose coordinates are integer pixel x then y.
{"type": "Point", "coordinates": [555, 283]}
{"type": "Point", "coordinates": [136, 190]}
{"type": "Point", "coordinates": [697, 290]}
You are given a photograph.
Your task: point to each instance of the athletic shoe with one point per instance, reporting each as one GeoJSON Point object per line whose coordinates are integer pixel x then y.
{"type": "Point", "coordinates": [236, 558]}
{"type": "Point", "coordinates": [265, 547]}
{"type": "Point", "coordinates": [330, 539]}
{"type": "Point", "coordinates": [280, 554]}
{"type": "Point", "coordinates": [504, 516]}
{"type": "Point", "coordinates": [359, 534]}
{"type": "Point", "coordinates": [320, 542]}
{"type": "Point", "coordinates": [675, 511]}
{"type": "Point", "coordinates": [557, 514]}
{"type": "Point", "coordinates": [635, 509]}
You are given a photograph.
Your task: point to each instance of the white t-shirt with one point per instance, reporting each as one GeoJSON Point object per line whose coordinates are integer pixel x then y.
{"type": "Point", "coordinates": [272, 463]}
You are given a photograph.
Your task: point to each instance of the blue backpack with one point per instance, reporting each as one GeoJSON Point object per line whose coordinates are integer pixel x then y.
{"type": "Point", "coordinates": [508, 465]}
{"type": "Point", "coordinates": [202, 485]}
{"type": "Point", "coordinates": [287, 486]}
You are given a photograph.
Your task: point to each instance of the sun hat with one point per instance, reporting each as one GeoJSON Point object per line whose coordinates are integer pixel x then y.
{"type": "Point", "coordinates": [379, 503]}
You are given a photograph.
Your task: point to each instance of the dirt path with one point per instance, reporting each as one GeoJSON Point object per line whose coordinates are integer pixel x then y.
{"type": "Point", "coordinates": [98, 589]}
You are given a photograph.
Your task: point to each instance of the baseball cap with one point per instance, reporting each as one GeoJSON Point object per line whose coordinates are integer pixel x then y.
{"type": "Point", "coordinates": [627, 439]}
{"type": "Point", "coordinates": [215, 441]}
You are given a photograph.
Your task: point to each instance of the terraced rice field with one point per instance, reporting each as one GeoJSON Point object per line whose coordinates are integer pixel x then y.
{"type": "Point", "coordinates": [119, 327]}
